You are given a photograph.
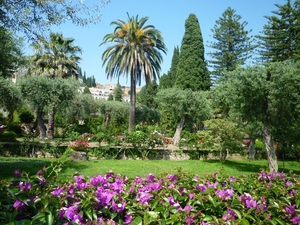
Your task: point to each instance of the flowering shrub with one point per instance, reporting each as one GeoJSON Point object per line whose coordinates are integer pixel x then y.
{"type": "Point", "coordinates": [179, 198]}
{"type": "Point", "coordinates": [81, 145]}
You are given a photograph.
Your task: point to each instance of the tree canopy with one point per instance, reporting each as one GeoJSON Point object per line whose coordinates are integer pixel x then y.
{"type": "Point", "coordinates": [33, 17]}
{"type": "Point", "coordinates": [232, 44]}
{"type": "Point", "coordinates": [191, 71]}
{"type": "Point", "coordinates": [137, 53]}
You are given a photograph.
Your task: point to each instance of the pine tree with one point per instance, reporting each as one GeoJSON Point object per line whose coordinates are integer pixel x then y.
{"type": "Point", "coordinates": [280, 37]}
{"type": "Point", "coordinates": [192, 72]}
{"type": "Point", "coordinates": [168, 80]}
{"type": "Point", "coordinates": [232, 44]}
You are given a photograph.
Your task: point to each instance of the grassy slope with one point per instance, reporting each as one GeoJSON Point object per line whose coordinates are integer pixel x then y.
{"type": "Point", "coordinates": [131, 168]}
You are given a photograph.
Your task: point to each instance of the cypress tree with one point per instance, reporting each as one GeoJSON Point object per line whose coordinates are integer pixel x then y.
{"type": "Point", "coordinates": [168, 80]}
{"type": "Point", "coordinates": [280, 36]}
{"type": "Point", "coordinates": [192, 72]}
{"type": "Point", "coordinates": [232, 44]}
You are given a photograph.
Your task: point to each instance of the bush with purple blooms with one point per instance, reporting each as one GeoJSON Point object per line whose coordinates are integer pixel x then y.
{"type": "Point", "coordinates": [178, 198]}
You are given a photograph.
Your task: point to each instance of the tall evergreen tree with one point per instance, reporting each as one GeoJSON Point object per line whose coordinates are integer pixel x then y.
{"type": "Point", "coordinates": [168, 80]}
{"type": "Point", "coordinates": [118, 93]}
{"type": "Point", "coordinates": [192, 72]}
{"type": "Point", "coordinates": [232, 44]}
{"type": "Point", "coordinates": [280, 36]}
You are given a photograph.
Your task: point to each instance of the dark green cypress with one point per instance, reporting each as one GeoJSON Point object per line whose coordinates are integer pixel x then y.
{"type": "Point", "coordinates": [168, 80]}
{"type": "Point", "coordinates": [192, 72]}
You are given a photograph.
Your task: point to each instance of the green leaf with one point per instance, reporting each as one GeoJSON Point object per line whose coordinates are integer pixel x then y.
{"type": "Point", "coordinates": [245, 221]}
{"type": "Point", "coordinates": [237, 213]}
{"type": "Point", "coordinates": [137, 221]}
{"type": "Point", "coordinates": [38, 218]}
{"type": "Point", "coordinates": [49, 218]}
{"type": "Point", "coordinates": [279, 221]}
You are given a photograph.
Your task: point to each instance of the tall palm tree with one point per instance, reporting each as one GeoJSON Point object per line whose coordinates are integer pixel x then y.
{"type": "Point", "coordinates": [136, 53]}
{"type": "Point", "coordinates": [56, 57]}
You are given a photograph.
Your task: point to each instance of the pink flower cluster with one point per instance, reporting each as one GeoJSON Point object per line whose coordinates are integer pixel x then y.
{"type": "Point", "coordinates": [79, 144]}
{"type": "Point", "coordinates": [181, 197]}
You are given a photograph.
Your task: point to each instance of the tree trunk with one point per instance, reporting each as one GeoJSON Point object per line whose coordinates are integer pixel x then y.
{"type": "Point", "coordinates": [179, 128]}
{"type": "Point", "coordinates": [252, 149]}
{"type": "Point", "coordinates": [271, 155]}
{"type": "Point", "coordinates": [50, 131]}
{"type": "Point", "coordinates": [40, 124]}
{"type": "Point", "coordinates": [132, 103]}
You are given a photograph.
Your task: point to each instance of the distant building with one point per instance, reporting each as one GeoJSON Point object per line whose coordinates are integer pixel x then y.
{"type": "Point", "coordinates": [103, 91]}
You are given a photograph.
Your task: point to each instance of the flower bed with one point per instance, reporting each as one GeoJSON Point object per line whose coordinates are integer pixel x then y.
{"type": "Point", "coordinates": [178, 198]}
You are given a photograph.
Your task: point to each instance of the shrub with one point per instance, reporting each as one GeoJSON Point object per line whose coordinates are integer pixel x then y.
{"type": "Point", "coordinates": [14, 127]}
{"type": "Point", "coordinates": [177, 198]}
{"type": "Point", "coordinates": [26, 117]}
{"type": "Point", "coordinates": [8, 136]}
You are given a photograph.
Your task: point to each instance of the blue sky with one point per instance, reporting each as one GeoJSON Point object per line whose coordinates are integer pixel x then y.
{"type": "Point", "coordinates": [168, 17]}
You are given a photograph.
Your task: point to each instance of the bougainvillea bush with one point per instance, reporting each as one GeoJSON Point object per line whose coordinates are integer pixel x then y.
{"type": "Point", "coordinates": [177, 198]}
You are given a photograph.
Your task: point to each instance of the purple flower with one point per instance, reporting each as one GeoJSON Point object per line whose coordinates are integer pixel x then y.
{"type": "Point", "coordinates": [290, 209]}
{"type": "Point", "coordinates": [230, 215]}
{"type": "Point", "coordinates": [40, 173]}
{"type": "Point", "coordinates": [58, 191]}
{"type": "Point", "coordinates": [289, 183]}
{"type": "Point", "coordinates": [247, 199]}
{"type": "Point", "coordinates": [143, 197]}
{"type": "Point", "coordinates": [18, 204]}
{"type": "Point", "coordinates": [128, 219]}
{"type": "Point", "coordinates": [24, 186]}
{"type": "Point", "coordinates": [189, 220]}
{"type": "Point", "coordinates": [201, 187]}
{"type": "Point", "coordinates": [171, 177]}
{"type": "Point", "coordinates": [150, 177]}
{"type": "Point", "coordinates": [118, 207]}
{"type": "Point", "coordinates": [296, 220]}
{"type": "Point", "coordinates": [17, 173]}
{"type": "Point", "coordinates": [73, 215]}
{"type": "Point", "coordinates": [225, 194]}
{"type": "Point", "coordinates": [187, 208]}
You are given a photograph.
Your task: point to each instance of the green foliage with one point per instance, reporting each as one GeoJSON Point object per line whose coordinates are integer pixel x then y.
{"type": "Point", "coordinates": [147, 115]}
{"type": "Point", "coordinates": [10, 52]}
{"type": "Point", "coordinates": [280, 38]}
{"type": "Point", "coordinates": [221, 135]}
{"type": "Point", "coordinates": [14, 127]}
{"type": "Point", "coordinates": [86, 90]}
{"type": "Point", "coordinates": [232, 45]}
{"type": "Point", "coordinates": [37, 17]}
{"type": "Point", "coordinates": [193, 105]}
{"type": "Point", "coordinates": [168, 80]}
{"type": "Point", "coordinates": [191, 71]}
{"type": "Point", "coordinates": [150, 200]}
{"type": "Point", "coordinates": [118, 93]}
{"type": "Point", "coordinates": [8, 136]}
{"type": "Point", "coordinates": [25, 116]}
{"type": "Point", "coordinates": [136, 51]}
{"type": "Point", "coordinates": [10, 96]}
{"type": "Point", "coordinates": [259, 145]}
{"type": "Point", "coordinates": [147, 95]}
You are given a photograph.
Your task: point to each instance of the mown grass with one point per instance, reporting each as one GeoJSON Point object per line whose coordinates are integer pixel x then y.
{"type": "Point", "coordinates": [131, 168]}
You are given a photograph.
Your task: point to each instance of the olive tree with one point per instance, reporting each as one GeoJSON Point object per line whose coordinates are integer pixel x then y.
{"type": "Point", "coordinates": [184, 105]}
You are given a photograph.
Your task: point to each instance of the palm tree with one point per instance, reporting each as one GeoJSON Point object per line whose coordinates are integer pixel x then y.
{"type": "Point", "coordinates": [56, 57]}
{"type": "Point", "coordinates": [136, 52]}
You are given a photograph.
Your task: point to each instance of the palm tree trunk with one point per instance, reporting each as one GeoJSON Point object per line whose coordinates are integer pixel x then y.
{"type": "Point", "coordinates": [271, 154]}
{"type": "Point", "coordinates": [132, 103]}
{"type": "Point", "coordinates": [179, 128]}
{"type": "Point", "coordinates": [50, 131]}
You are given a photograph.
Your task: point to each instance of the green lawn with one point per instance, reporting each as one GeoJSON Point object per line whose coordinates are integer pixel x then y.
{"type": "Point", "coordinates": [131, 168]}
